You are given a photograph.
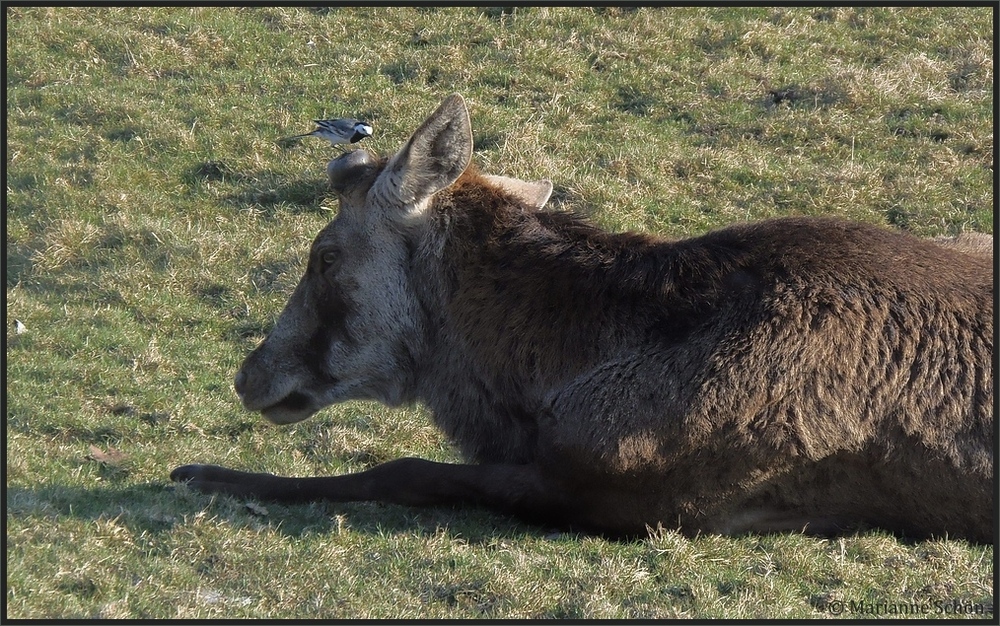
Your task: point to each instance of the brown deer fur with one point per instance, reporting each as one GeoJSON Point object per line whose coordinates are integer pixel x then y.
{"type": "Point", "coordinates": [803, 374]}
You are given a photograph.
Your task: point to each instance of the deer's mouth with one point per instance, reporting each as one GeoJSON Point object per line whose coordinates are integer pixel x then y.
{"type": "Point", "coordinates": [294, 407]}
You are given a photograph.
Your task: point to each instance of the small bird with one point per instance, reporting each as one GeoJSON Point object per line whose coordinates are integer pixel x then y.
{"type": "Point", "coordinates": [340, 131]}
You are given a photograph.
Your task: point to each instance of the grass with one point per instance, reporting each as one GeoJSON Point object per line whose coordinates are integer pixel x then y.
{"type": "Point", "coordinates": [155, 226]}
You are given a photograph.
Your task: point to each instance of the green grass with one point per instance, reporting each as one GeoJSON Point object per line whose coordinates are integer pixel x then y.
{"type": "Point", "coordinates": [155, 226]}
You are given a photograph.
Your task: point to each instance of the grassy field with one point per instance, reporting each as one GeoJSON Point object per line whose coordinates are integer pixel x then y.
{"type": "Point", "coordinates": [156, 224]}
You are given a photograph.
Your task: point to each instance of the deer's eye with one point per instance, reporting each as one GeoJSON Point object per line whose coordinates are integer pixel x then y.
{"type": "Point", "coordinates": [328, 260]}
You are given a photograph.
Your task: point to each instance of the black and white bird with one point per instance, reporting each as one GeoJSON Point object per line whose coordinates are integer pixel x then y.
{"type": "Point", "coordinates": [344, 130]}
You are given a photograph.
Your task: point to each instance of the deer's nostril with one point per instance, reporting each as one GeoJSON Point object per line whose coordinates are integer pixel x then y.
{"type": "Point", "coordinates": [240, 382]}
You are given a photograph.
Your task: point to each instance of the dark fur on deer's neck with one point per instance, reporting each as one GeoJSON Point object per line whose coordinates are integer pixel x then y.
{"type": "Point", "coordinates": [530, 299]}
{"type": "Point", "coordinates": [528, 286]}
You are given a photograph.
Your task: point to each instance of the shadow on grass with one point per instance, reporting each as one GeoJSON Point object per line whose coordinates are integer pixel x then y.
{"type": "Point", "coordinates": [163, 507]}
{"type": "Point", "coordinates": [264, 190]}
{"type": "Point", "coordinates": [273, 194]}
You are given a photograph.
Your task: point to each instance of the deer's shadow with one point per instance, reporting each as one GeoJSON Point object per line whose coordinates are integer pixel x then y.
{"type": "Point", "coordinates": [155, 508]}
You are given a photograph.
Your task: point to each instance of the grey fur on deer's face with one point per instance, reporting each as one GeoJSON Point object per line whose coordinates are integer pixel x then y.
{"type": "Point", "coordinates": [353, 328]}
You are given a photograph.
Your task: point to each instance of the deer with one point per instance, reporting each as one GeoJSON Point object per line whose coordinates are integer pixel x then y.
{"type": "Point", "coordinates": [795, 374]}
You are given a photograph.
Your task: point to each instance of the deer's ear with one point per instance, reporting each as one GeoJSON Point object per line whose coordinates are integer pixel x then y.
{"type": "Point", "coordinates": [533, 193]}
{"type": "Point", "coordinates": [433, 158]}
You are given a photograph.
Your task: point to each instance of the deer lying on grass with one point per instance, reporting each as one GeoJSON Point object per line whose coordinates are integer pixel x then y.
{"type": "Point", "coordinates": [799, 374]}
